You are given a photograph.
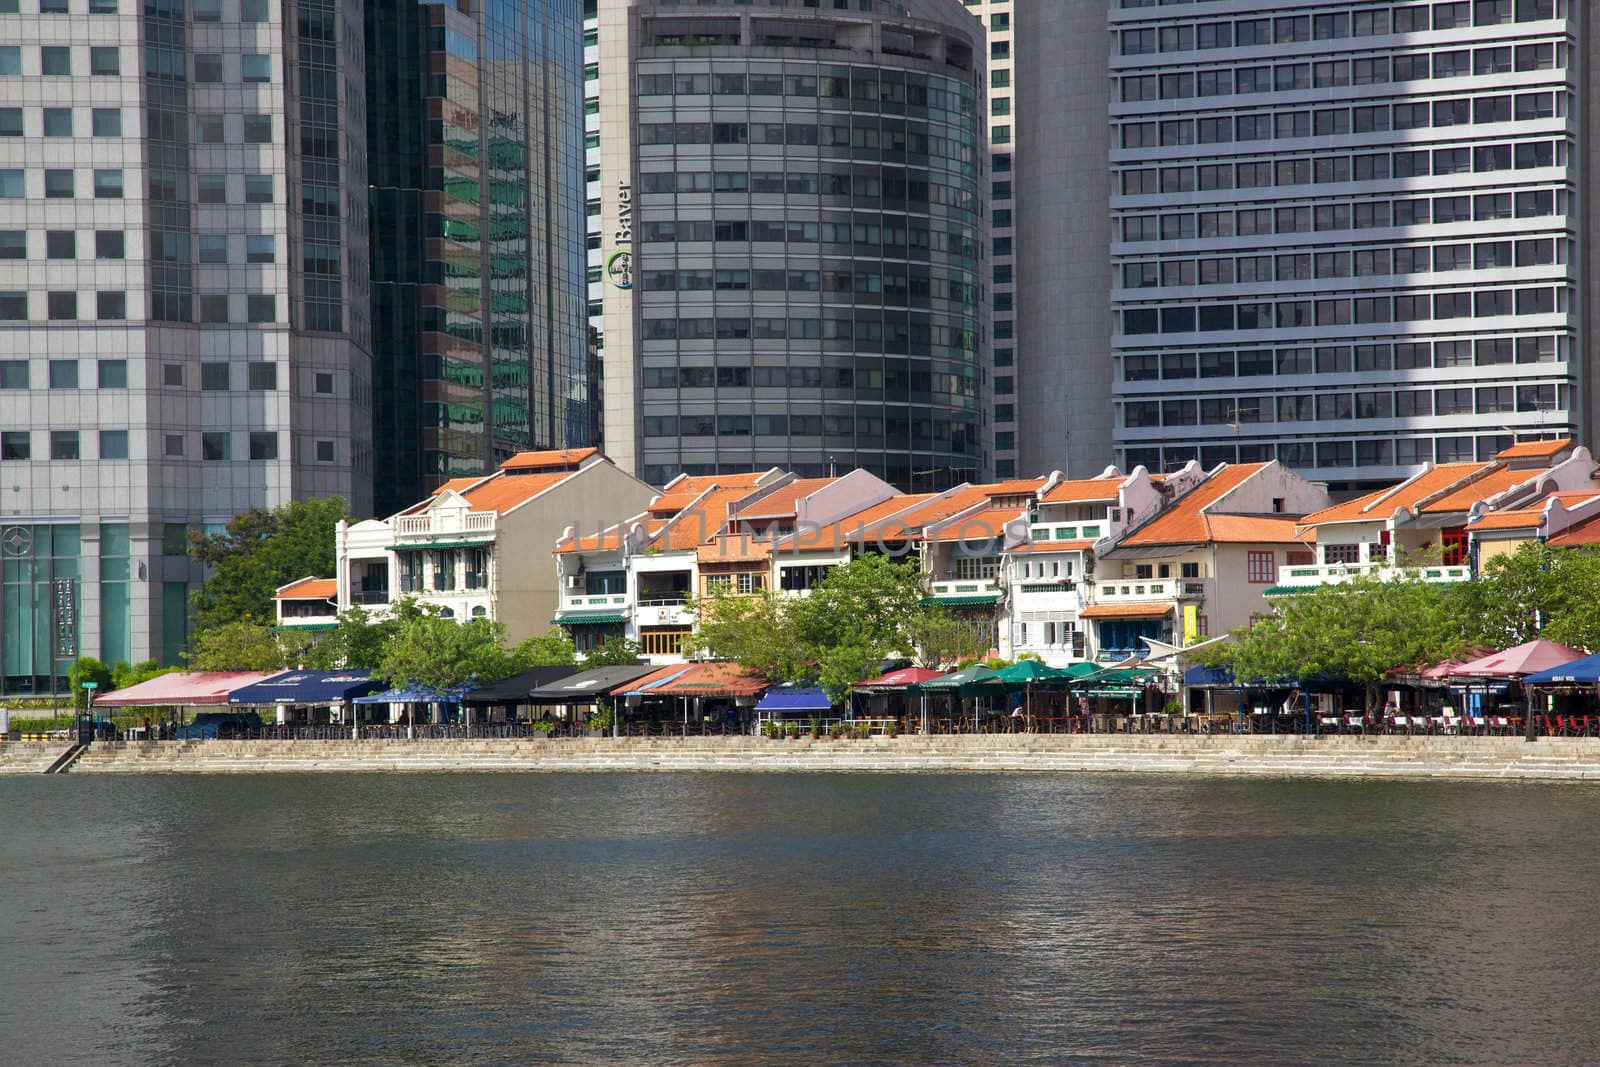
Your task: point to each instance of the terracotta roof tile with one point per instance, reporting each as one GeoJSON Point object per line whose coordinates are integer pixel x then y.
{"type": "Point", "coordinates": [561, 459]}
{"type": "Point", "coordinates": [695, 525]}
{"type": "Point", "coordinates": [934, 509]}
{"type": "Point", "coordinates": [990, 522]}
{"type": "Point", "coordinates": [1379, 505]}
{"type": "Point", "coordinates": [1050, 546]}
{"type": "Point", "coordinates": [1012, 487]}
{"type": "Point", "coordinates": [734, 548]}
{"type": "Point", "coordinates": [609, 539]}
{"type": "Point", "coordinates": [1491, 484]}
{"type": "Point", "coordinates": [1084, 490]}
{"type": "Point", "coordinates": [783, 502]}
{"type": "Point", "coordinates": [1586, 532]}
{"type": "Point", "coordinates": [503, 493]}
{"type": "Point", "coordinates": [1126, 611]}
{"type": "Point", "coordinates": [835, 535]}
{"type": "Point", "coordinates": [1184, 520]}
{"type": "Point", "coordinates": [309, 589]}
{"type": "Point", "coordinates": [1255, 529]}
{"type": "Point", "coordinates": [1535, 449]}
{"type": "Point", "coordinates": [1518, 519]}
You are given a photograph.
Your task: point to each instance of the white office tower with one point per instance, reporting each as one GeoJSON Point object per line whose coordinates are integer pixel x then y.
{"type": "Point", "coordinates": [1347, 236]}
{"type": "Point", "coordinates": [183, 328]}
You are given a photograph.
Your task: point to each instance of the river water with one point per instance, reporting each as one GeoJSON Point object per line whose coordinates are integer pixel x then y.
{"type": "Point", "coordinates": [795, 919]}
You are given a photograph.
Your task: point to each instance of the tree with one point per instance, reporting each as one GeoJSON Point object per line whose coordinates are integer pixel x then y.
{"type": "Point", "coordinates": [125, 675]}
{"type": "Point", "coordinates": [259, 551]}
{"type": "Point", "coordinates": [88, 669]}
{"type": "Point", "coordinates": [613, 652]}
{"type": "Point", "coordinates": [356, 642]}
{"type": "Point", "coordinates": [753, 631]}
{"type": "Point", "coordinates": [1537, 591]}
{"type": "Point", "coordinates": [552, 649]}
{"type": "Point", "coordinates": [246, 645]}
{"type": "Point", "coordinates": [940, 638]}
{"type": "Point", "coordinates": [440, 654]}
{"type": "Point", "coordinates": [1357, 630]}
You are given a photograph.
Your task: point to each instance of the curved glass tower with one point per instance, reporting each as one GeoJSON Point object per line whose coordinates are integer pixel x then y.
{"type": "Point", "coordinates": [793, 238]}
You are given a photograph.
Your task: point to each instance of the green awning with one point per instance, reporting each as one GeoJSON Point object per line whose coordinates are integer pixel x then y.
{"type": "Point", "coordinates": [289, 624]}
{"type": "Point", "coordinates": [418, 546]}
{"type": "Point", "coordinates": [584, 618]}
{"type": "Point", "coordinates": [1287, 590]}
{"type": "Point", "coordinates": [964, 599]}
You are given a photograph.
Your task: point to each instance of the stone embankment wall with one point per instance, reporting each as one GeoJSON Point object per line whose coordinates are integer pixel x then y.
{"type": "Point", "coordinates": [1379, 757]}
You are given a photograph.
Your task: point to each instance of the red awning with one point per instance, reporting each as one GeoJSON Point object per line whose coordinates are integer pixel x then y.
{"type": "Point", "coordinates": [899, 679]}
{"type": "Point", "coordinates": [714, 680]}
{"type": "Point", "coordinates": [182, 690]}
{"type": "Point", "coordinates": [1126, 611]}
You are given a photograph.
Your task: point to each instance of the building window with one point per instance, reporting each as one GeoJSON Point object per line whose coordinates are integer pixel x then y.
{"type": "Point", "coordinates": [662, 642]}
{"type": "Point", "coordinates": [13, 374]}
{"type": "Point", "coordinates": [15, 445]}
{"type": "Point", "coordinates": [262, 375]}
{"type": "Point", "coordinates": [107, 122]}
{"type": "Point", "coordinates": [63, 444]}
{"type": "Point", "coordinates": [322, 383]}
{"type": "Point", "coordinates": [113, 444]}
{"type": "Point", "coordinates": [112, 374]}
{"type": "Point", "coordinates": [13, 244]}
{"type": "Point", "coordinates": [324, 451]}
{"type": "Point", "coordinates": [214, 376]}
{"type": "Point", "coordinates": [215, 447]}
{"type": "Point", "coordinates": [1341, 553]}
{"type": "Point", "coordinates": [255, 68]}
{"type": "Point", "coordinates": [1262, 568]}
{"type": "Point", "coordinates": [109, 244]}
{"type": "Point", "coordinates": [61, 244]}
{"type": "Point", "coordinates": [172, 445]}
{"type": "Point", "coordinates": [207, 67]}
{"type": "Point", "coordinates": [111, 306]}
{"type": "Point", "coordinates": [62, 305]}
{"type": "Point", "coordinates": [58, 184]}
{"type": "Point", "coordinates": [263, 446]}
{"type": "Point", "coordinates": [105, 60]}
{"type": "Point", "coordinates": [108, 184]}
{"type": "Point", "coordinates": [55, 61]}
{"type": "Point", "coordinates": [63, 374]}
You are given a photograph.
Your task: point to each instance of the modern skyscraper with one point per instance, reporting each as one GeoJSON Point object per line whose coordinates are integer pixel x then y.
{"type": "Point", "coordinates": [1351, 236]}
{"type": "Point", "coordinates": [793, 238]}
{"type": "Point", "coordinates": [480, 342]}
{"type": "Point", "coordinates": [183, 329]}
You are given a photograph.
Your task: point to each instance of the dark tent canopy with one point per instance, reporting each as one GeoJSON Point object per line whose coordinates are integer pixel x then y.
{"type": "Point", "coordinates": [515, 689]}
{"type": "Point", "coordinates": [584, 686]}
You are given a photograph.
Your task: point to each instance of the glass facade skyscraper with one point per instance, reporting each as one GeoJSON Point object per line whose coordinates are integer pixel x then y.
{"type": "Point", "coordinates": [476, 159]}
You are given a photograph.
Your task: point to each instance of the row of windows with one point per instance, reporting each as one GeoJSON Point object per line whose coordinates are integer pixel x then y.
{"type": "Point", "coordinates": [1372, 452]}
{"type": "Point", "coordinates": [56, 60]}
{"type": "Point", "coordinates": [17, 445]}
{"type": "Point", "coordinates": [918, 285]}
{"type": "Point", "coordinates": [773, 425]}
{"type": "Point", "coordinates": [1358, 263]}
{"type": "Point", "coordinates": [1332, 74]}
{"type": "Point", "coordinates": [1359, 215]}
{"type": "Point", "coordinates": [849, 140]}
{"type": "Point", "coordinates": [859, 86]}
{"type": "Point", "coordinates": [61, 7]}
{"type": "Point", "coordinates": [1324, 407]}
{"type": "Point", "coordinates": [1332, 25]}
{"type": "Point", "coordinates": [1261, 174]}
{"type": "Point", "coordinates": [894, 184]}
{"type": "Point", "coordinates": [61, 184]}
{"type": "Point", "coordinates": [1340, 311]}
{"type": "Point", "coordinates": [1283, 125]}
{"type": "Point", "coordinates": [113, 374]}
{"type": "Point", "coordinates": [58, 122]}
{"type": "Point", "coordinates": [62, 306]}
{"type": "Point", "coordinates": [893, 236]}
{"type": "Point", "coordinates": [899, 376]}
{"type": "Point", "coordinates": [202, 10]}
{"type": "Point", "coordinates": [111, 244]}
{"type": "Point", "coordinates": [892, 333]}
{"type": "Point", "coordinates": [1341, 359]}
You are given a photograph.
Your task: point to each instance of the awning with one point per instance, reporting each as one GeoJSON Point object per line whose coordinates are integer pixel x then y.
{"type": "Point", "coordinates": [786, 698]}
{"type": "Point", "coordinates": [191, 689]}
{"type": "Point", "coordinates": [307, 687]}
{"type": "Point", "coordinates": [714, 680]}
{"type": "Point", "coordinates": [415, 694]}
{"type": "Point", "coordinates": [1126, 611]}
{"type": "Point", "coordinates": [964, 599]}
{"type": "Point", "coordinates": [898, 679]}
{"type": "Point", "coordinates": [1585, 671]}
{"type": "Point", "coordinates": [951, 683]}
{"type": "Point", "coordinates": [647, 684]}
{"type": "Point", "coordinates": [417, 546]}
{"type": "Point", "coordinates": [1288, 590]}
{"type": "Point", "coordinates": [1208, 676]}
{"type": "Point", "coordinates": [584, 686]}
{"type": "Point", "coordinates": [584, 618]}
{"type": "Point", "coordinates": [515, 689]}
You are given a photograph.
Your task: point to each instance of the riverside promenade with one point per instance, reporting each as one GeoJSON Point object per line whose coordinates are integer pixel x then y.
{"type": "Point", "coordinates": [1223, 755]}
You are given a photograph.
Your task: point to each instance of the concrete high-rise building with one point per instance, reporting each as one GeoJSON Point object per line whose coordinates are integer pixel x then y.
{"type": "Point", "coordinates": [1349, 236]}
{"type": "Point", "coordinates": [793, 236]}
{"type": "Point", "coordinates": [183, 327]}
{"type": "Point", "coordinates": [475, 147]}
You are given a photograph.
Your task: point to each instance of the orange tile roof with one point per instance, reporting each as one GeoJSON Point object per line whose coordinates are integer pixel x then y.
{"type": "Point", "coordinates": [1532, 515]}
{"type": "Point", "coordinates": [990, 522]}
{"type": "Point", "coordinates": [1492, 484]}
{"type": "Point", "coordinates": [564, 459]}
{"type": "Point", "coordinates": [1255, 529]}
{"type": "Point", "coordinates": [1586, 532]}
{"type": "Point", "coordinates": [695, 525]}
{"type": "Point", "coordinates": [309, 589]}
{"type": "Point", "coordinates": [609, 539]}
{"type": "Point", "coordinates": [734, 548]}
{"type": "Point", "coordinates": [1012, 487]}
{"type": "Point", "coordinates": [1379, 505]}
{"type": "Point", "coordinates": [455, 485]}
{"type": "Point", "coordinates": [1051, 546]}
{"type": "Point", "coordinates": [1083, 490]}
{"type": "Point", "coordinates": [685, 490]}
{"type": "Point", "coordinates": [1183, 522]}
{"type": "Point", "coordinates": [654, 676]}
{"type": "Point", "coordinates": [1126, 611]}
{"type": "Point", "coordinates": [1535, 449]}
{"type": "Point", "coordinates": [782, 502]}
{"type": "Point", "coordinates": [714, 680]}
{"type": "Point", "coordinates": [932, 510]}
{"type": "Point", "coordinates": [835, 535]}
{"type": "Point", "coordinates": [503, 494]}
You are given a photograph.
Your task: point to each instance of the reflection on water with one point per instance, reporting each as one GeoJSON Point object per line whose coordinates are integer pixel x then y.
{"type": "Point", "coordinates": [704, 919]}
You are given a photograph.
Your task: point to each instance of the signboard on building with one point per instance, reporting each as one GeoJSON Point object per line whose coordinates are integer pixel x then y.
{"type": "Point", "coordinates": [619, 264]}
{"type": "Point", "coordinates": [64, 617]}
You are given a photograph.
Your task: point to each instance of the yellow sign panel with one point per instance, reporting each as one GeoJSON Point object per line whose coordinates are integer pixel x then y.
{"type": "Point", "coordinates": [1191, 623]}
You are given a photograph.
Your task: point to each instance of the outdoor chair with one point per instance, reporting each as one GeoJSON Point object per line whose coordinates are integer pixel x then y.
{"type": "Point", "coordinates": [1477, 724]}
{"type": "Point", "coordinates": [1356, 723]}
{"type": "Point", "coordinates": [1552, 726]}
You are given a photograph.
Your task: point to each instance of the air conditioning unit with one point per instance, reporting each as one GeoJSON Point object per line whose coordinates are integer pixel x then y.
{"type": "Point", "coordinates": [574, 581]}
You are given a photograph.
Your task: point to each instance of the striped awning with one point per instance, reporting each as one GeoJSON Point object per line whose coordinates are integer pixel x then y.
{"type": "Point", "coordinates": [585, 618]}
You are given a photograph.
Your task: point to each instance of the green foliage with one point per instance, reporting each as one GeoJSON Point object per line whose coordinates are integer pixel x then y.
{"type": "Point", "coordinates": [613, 652]}
{"type": "Point", "coordinates": [1357, 630]}
{"type": "Point", "coordinates": [940, 637]}
{"type": "Point", "coordinates": [441, 653]}
{"type": "Point", "coordinates": [259, 551]}
{"type": "Point", "coordinates": [1537, 591]}
{"type": "Point", "coordinates": [246, 645]}
{"type": "Point", "coordinates": [124, 675]}
{"type": "Point", "coordinates": [356, 641]}
{"type": "Point", "coordinates": [751, 630]}
{"type": "Point", "coordinates": [552, 649]}
{"type": "Point", "coordinates": [88, 669]}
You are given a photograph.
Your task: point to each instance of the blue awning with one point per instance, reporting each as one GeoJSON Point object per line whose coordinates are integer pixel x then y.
{"type": "Point", "coordinates": [1585, 671]}
{"type": "Point", "coordinates": [783, 698]}
{"type": "Point", "coordinates": [1208, 676]}
{"type": "Point", "coordinates": [415, 694]}
{"type": "Point", "coordinates": [307, 687]}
